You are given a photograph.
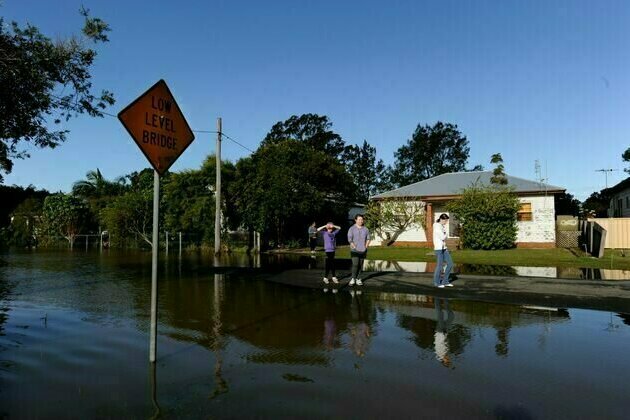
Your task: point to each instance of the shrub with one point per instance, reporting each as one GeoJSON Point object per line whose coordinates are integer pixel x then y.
{"type": "Point", "coordinates": [488, 216]}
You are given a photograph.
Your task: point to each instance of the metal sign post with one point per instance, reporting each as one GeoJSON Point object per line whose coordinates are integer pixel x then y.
{"type": "Point", "coordinates": [159, 128]}
{"type": "Point", "coordinates": [154, 261]}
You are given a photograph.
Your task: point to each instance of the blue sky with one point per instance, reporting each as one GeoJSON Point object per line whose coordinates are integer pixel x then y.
{"type": "Point", "coordinates": [547, 80]}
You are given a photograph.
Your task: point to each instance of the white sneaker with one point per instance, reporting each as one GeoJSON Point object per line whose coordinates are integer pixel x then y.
{"type": "Point", "coordinates": [325, 290]}
{"type": "Point", "coordinates": [351, 282]}
{"type": "Point", "coordinates": [359, 282]}
{"type": "Point", "coordinates": [325, 280]}
{"type": "Point", "coordinates": [334, 290]}
{"type": "Point", "coordinates": [359, 292]}
{"type": "Point", "coordinates": [449, 285]}
{"type": "Point", "coordinates": [441, 286]}
{"type": "Point", "coordinates": [334, 279]}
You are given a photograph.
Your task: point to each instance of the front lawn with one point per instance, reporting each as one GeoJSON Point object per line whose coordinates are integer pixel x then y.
{"type": "Point", "coordinates": [554, 257]}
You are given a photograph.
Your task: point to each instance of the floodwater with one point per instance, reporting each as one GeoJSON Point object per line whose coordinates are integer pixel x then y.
{"type": "Point", "coordinates": [74, 343]}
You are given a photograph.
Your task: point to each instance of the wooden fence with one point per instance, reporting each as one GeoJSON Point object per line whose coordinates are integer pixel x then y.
{"type": "Point", "coordinates": [617, 231]}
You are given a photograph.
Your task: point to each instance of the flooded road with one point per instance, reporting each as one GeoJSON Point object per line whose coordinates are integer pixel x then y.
{"type": "Point", "coordinates": [74, 331]}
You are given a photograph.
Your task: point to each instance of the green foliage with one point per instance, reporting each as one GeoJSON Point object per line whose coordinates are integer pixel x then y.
{"type": "Point", "coordinates": [312, 129]}
{"type": "Point", "coordinates": [368, 172]}
{"type": "Point", "coordinates": [626, 158]}
{"type": "Point", "coordinates": [189, 200]}
{"type": "Point", "coordinates": [98, 192]}
{"type": "Point", "coordinates": [596, 205]}
{"type": "Point", "coordinates": [63, 215]}
{"type": "Point", "coordinates": [567, 204]}
{"type": "Point", "coordinates": [25, 223]}
{"type": "Point", "coordinates": [431, 151]}
{"type": "Point", "coordinates": [488, 216]}
{"type": "Point", "coordinates": [130, 216]}
{"type": "Point", "coordinates": [95, 186]}
{"type": "Point", "coordinates": [43, 83]}
{"type": "Point", "coordinates": [12, 196]}
{"type": "Point", "coordinates": [388, 219]}
{"type": "Point", "coordinates": [284, 186]}
{"type": "Point", "coordinates": [498, 174]}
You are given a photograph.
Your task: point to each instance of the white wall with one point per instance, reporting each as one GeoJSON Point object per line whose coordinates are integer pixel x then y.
{"type": "Point", "coordinates": [414, 233]}
{"type": "Point", "coordinates": [542, 227]}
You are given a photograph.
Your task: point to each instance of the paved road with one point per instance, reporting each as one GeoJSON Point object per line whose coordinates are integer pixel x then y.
{"type": "Point", "coordinates": [590, 294]}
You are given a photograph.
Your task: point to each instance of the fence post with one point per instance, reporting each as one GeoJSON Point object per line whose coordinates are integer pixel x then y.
{"type": "Point", "coordinates": [166, 242]}
{"type": "Point", "coordinates": [180, 244]}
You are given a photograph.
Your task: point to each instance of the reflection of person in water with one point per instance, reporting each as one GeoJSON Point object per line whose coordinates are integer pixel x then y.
{"type": "Point", "coordinates": [330, 333]}
{"type": "Point", "coordinates": [359, 331]}
{"type": "Point", "coordinates": [441, 331]}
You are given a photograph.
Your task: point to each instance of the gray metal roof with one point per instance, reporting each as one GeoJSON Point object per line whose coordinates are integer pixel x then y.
{"type": "Point", "coordinates": [454, 183]}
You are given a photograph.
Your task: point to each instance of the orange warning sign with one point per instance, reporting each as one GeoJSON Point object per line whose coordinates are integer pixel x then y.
{"type": "Point", "coordinates": [158, 126]}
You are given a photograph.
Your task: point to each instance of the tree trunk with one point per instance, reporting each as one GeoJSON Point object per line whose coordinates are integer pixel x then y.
{"type": "Point", "coordinates": [394, 237]}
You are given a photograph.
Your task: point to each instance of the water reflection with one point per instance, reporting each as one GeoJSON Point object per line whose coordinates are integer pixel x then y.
{"type": "Point", "coordinates": [218, 345]}
{"type": "Point", "coordinates": [502, 270]}
{"type": "Point", "coordinates": [225, 336]}
{"type": "Point", "coordinates": [441, 331]}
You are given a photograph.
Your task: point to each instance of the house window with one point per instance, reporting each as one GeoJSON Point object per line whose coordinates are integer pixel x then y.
{"type": "Point", "coordinates": [525, 213]}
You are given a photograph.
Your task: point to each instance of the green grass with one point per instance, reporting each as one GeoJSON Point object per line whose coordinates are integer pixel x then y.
{"type": "Point", "coordinates": [555, 257]}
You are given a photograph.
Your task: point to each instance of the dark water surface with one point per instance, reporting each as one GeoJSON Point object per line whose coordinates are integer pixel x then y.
{"type": "Point", "coordinates": [74, 344]}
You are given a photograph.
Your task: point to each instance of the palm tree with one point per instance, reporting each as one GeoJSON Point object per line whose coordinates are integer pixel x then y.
{"type": "Point", "coordinates": [96, 186]}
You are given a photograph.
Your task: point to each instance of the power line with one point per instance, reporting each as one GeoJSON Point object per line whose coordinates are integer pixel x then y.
{"type": "Point", "coordinates": [243, 146]}
{"type": "Point", "coordinates": [199, 131]}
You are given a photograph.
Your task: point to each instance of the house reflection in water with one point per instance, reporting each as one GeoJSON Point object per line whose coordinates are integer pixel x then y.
{"type": "Point", "coordinates": [502, 270]}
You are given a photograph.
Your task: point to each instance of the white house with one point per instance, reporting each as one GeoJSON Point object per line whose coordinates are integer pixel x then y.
{"type": "Point", "coordinates": [619, 194]}
{"type": "Point", "coordinates": [536, 217]}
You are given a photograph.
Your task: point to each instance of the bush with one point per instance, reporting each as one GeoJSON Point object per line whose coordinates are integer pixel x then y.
{"type": "Point", "coordinates": [488, 216]}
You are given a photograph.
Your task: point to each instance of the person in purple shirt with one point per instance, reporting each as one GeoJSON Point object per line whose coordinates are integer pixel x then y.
{"type": "Point", "coordinates": [329, 232]}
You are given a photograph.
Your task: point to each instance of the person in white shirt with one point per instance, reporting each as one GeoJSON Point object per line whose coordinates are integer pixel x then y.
{"type": "Point", "coordinates": [441, 253]}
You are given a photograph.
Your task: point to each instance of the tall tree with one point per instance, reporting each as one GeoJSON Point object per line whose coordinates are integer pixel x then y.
{"type": "Point", "coordinates": [626, 158]}
{"type": "Point", "coordinates": [95, 186]}
{"type": "Point", "coordinates": [282, 187]}
{"type": "Point", "coordinates": [498, 174]}
{"type": "Point", "coordinates": [24, 220]}
{"type": "Point", "coordinates": [12, 196]}
{"type": "Point", "coordinates": [567, 204]}
{"type": "Point", "coordinates": [44, 82]}
{"type": "Point", "coordinates": [368, 172]}
{"type": "Point", "coordinates": [311, 129]}
{"type": "Point", "coordinates": [596, 205]}
{"type": "Point", "coordinates": [189, 200]}
{"type": "Point", "coordinates": [63, 215]}
{"type": "Point", "coordinates": [431, 151]}
{"type": "Point", "coordinates": [130, 214]}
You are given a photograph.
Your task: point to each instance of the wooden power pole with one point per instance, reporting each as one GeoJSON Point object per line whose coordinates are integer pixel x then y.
{"type": "Point", "coordinates": [217, 193]}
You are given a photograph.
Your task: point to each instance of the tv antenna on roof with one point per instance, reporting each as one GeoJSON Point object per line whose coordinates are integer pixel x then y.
{"type": "Point", "coordinates": [539, 176]}
{"type": "Point", "coordinates": [605, 171]}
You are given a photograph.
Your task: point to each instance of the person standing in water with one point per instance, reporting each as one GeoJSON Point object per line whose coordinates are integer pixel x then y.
{"type": "Point", "coordinates": [359, 240]}
{"type": "Point", "coordinates": [441, 253]}
{"type": "Point", "coordinates": [329, 234]}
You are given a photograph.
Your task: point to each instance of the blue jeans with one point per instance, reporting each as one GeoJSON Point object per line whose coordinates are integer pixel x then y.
{"type": "Point", "coordinates": [443, 256]}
